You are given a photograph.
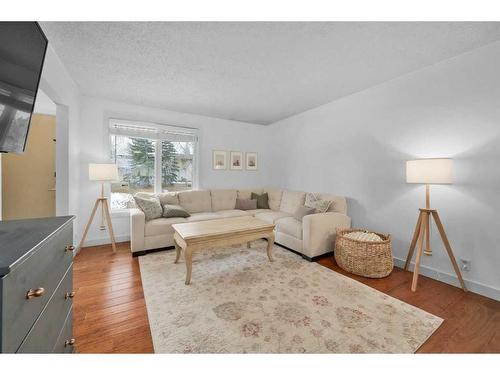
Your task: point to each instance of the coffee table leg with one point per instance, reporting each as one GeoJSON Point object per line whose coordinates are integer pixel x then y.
{"type": "Point", "coordinates": [177, 252]}
{"type": "Point", "coordinates": [270, 244]}
{"type": "Point", "coordinates": [249, 245]}
{"type": "Point", "coordinates": [188, 256]}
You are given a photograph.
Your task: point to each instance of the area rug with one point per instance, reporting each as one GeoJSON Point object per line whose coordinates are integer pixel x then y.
{"type": "Point", "coordinates": [239, 302]}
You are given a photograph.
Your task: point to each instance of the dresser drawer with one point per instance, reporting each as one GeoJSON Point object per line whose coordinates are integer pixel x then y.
{"type": "Point", "coordinates": [43, 269]}
{"type": "Point", "coordinates": [43, 336]}
{"type": "Point", "coordinates": [63, 342]}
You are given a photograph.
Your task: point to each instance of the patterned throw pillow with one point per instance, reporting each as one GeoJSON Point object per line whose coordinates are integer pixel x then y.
{"type": "Point", "coordinates": [174, 210]}
{"type": "Point", "coordinates": [149, 205]}
{"type": "Point", "coordinates": [314, 200]}
{"type": "Point", "coordinates": [262, 200]}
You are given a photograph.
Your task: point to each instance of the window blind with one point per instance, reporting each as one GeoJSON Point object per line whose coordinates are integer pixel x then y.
{"type": "Point", "coordinates": [152, 131]}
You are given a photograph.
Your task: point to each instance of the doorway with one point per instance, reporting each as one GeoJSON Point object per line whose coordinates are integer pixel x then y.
{"type": "Point", "coordinates": [29, 179]}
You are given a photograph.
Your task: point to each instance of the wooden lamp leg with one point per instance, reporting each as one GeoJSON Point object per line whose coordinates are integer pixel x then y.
{"type": "Point", "coordinates": [110, 225]}
{"type": "Point", "coordinates": [88, 223]}
{"type": "Point", "coordinates": [413, 242]}
{"type": "Point", "coordinates": [427, 250]}
{"type": "Point", "coordinates": [105, 209]}
{"type": "Point", "coordinates": [447, 245]}
{"type": "Point", "coordinates": [102, 227]}
{"type": "Point", "coordinates": [421, 238]}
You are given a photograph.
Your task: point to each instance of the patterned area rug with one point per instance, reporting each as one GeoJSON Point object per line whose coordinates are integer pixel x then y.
{"type": "Point", "coordinates": [239, 302]}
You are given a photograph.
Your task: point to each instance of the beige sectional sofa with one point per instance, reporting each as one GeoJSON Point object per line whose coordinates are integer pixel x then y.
{"type": "Point", "coordinates": [312, 236]}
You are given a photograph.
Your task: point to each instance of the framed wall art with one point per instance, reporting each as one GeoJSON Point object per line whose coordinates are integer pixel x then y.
{"type": "Point", "coordinates": [236, 160]}
{"type": "Point", "coordinates": [251, 161]}
{"type": "Point", "coordinates": [219, 159]}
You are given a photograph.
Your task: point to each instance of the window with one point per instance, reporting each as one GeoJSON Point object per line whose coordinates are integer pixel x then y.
{"type": "Point", "coordinates": [151, 158]}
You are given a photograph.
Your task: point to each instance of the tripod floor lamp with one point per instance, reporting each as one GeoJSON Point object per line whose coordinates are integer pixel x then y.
{"type": "Point", "coordinates": [429, 171]}
{"type": "Point", "coordinates": [102, 173]}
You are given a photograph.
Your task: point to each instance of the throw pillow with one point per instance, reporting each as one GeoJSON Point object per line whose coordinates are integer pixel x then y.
{"type": "Point", "coordinates": [320, 205]}
{"type": "Point", "coordinates": [364, 236]}
{"type": "Point", "coordinates": [149, 205]}
{"type": "Point", "coordinates": [262, 200]}
{"type": "Point", "coordinates": [174, 210]}
{"type": "Point", "coordinates": [246, 204]}
{"type": "Point", "coordinates": [168, 197]}
{"type": "Point", "coordinates": [302, 211]}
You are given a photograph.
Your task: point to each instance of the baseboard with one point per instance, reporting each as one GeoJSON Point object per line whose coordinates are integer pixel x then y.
{"type": "Point", "coordinates": [105, 240]}
{"type": "Point", "coordinates": [473, 286]}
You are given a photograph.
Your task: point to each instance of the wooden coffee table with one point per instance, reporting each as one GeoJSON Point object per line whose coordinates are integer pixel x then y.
{"type": "Point", "coordinates": [190, 237]}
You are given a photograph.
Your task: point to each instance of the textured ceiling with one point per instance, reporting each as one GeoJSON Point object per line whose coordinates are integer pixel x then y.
{"type": "Point", "coordinates": [251, 71]}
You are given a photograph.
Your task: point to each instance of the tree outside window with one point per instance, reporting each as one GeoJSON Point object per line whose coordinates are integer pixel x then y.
{"type": "Point", "coordinates": [137, 162]}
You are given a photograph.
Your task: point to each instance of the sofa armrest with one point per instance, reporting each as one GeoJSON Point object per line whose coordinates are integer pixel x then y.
{"type": "Point", "coordinates": [137, 223]}
{"type": "Point", "coordinates": [318, 231]}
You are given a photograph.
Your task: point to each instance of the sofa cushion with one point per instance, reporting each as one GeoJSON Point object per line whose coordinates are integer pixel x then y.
{"type": "Point", "coordinates": [169, 198]}
{"type": "Point", "coordinates": [258, 211]}
{"type": "Point", "coordinates": [196, 201]}
{"type": "Point", "coordinates": [161, 226]}
{"type": "Point", "coordinates": [203, 216]}
{"type": "Point", "coordinates": [290, 226]}
{"type": "Point", "coordinates": [275, 196]}
{"type": "Point", "coordinates": [232, 213]}
{"type": "Point", "coordinates": [271, 216]}
{"type": "Point", "coordinates": [223, 199]}
{"type": "Point", "coordinates": [291, 200]}
{"type": "Point", "coordinates": [262, 200]}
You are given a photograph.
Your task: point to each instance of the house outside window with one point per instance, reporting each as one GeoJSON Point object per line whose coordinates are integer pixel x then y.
{"type": "Point", "coordinates": [151, 158]}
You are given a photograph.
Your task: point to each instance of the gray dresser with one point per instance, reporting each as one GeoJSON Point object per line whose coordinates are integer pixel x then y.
{"type": "Point", "coordinates": [36, 285]}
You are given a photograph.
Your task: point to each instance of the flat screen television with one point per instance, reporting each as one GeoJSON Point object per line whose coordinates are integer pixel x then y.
{"type": "Point", "coordinates": [22, 52]}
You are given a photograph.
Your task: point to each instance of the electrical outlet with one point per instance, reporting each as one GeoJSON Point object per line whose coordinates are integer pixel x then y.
{"type": "Point", "coordinates": [465, 263]}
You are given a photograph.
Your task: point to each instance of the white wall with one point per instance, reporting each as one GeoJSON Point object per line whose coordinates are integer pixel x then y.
{"type": "Point", "coordinates": [214, 134]}
{"type": "Point", "coordinates": [56, 83]}
{"type": "Point", "coordinates": [44, 105]}
{"type": "Point", "coordinates": [357, 146]}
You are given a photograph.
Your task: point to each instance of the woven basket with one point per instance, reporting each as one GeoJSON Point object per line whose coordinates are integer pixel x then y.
{"type": "Point", "coordinates": [368, 259]}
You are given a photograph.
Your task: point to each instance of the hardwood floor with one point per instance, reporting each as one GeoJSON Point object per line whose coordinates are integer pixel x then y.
{"type": "Point", "coordinates": [109, 308]}
{"type": "Point", "coordinates": [110, 312]}
{"type": "Point", "coordinates": [471, 322]}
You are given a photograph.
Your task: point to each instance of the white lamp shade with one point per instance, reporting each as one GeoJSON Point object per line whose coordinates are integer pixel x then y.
{"type": "Point", "coordinates": [429, 171]}
{"type": "Point", "coordinates": [103, 172]}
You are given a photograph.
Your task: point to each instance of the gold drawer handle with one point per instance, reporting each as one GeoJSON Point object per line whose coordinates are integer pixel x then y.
{"type": "Point", "coordinates": [69, 248]}
{"type": "Point", "coordinates": [70, 342]}
{"type": "Point", "coordinates": [38, 292]}
{"type": "Point", "coordinates": [69, 295]}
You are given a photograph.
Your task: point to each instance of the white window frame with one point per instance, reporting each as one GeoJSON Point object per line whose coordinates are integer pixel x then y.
{"type": "Point", "coordinates": [163, 129]}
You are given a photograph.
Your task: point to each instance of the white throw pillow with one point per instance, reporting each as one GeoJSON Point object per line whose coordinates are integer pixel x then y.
{"type": "Point", "coordinates": [364, 236]}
